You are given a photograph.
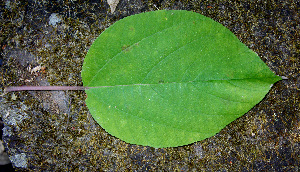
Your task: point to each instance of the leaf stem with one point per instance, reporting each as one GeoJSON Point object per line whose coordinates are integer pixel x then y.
{"type": "Point", "coordinates": [44, 88]}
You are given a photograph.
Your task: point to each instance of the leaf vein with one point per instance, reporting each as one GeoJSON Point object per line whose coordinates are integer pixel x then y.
{"type": "Point", "coordinates": [226, 99]}
{"type": "Point", "coordinates": [155, 122]}
{"type": "Point", "coordinates": [167, 57]}
{"type": "Point", "coordinates": [129, 48]}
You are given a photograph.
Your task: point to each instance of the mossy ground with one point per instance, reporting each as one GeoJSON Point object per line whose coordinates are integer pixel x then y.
{"type": "Point", "coordinates": [61, 135]}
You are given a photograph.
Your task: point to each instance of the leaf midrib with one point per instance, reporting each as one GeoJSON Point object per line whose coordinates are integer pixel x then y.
{"type": "Point", "coordinates": [210, 80]}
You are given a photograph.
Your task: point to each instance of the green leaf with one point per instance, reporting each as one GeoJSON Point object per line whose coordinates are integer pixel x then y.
{"type": "Point", "coordinates": [171, 78]}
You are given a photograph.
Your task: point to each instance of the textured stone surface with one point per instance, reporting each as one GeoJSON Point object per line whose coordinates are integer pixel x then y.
{"type": "Point", "coordinates": [54, 130]}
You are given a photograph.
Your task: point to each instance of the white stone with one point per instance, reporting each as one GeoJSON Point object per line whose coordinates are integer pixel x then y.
{"type": "Point", "coordinates": [113, 4]}
{"type": "Point", "coordinates": [54, 18]}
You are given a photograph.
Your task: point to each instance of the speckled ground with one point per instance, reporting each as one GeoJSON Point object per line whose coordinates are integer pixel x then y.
{"type": "Point", "coordinates": [45, 42]}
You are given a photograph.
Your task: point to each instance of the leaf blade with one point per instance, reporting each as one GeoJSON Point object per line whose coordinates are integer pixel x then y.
{"type": "Point", "coordinates": [167, 85]}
